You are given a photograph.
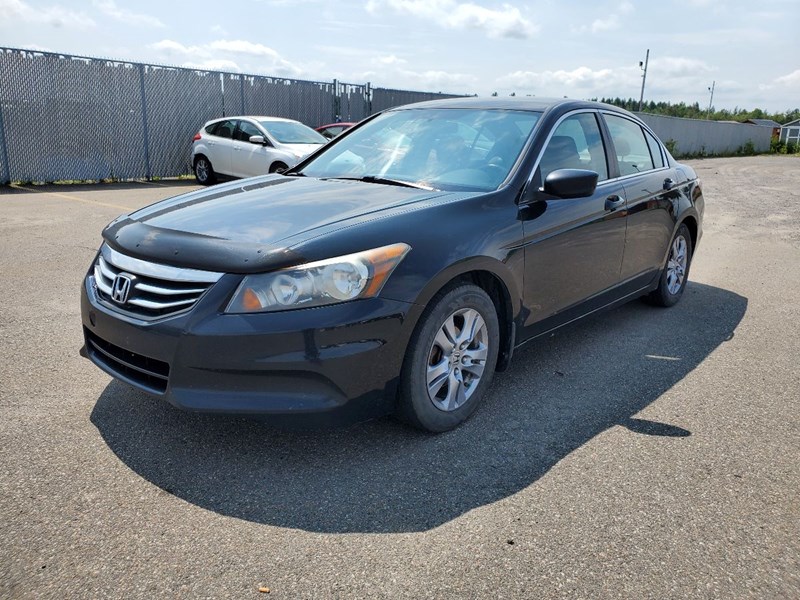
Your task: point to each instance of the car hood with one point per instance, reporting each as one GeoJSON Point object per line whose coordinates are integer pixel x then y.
{"type": "Point", "coordinates": [301, 149]}
{"type": "Point", "coordinates": [251, 225]}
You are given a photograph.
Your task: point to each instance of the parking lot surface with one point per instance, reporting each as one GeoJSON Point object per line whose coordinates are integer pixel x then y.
{"type": "Point", "coordinates": [642, 453]}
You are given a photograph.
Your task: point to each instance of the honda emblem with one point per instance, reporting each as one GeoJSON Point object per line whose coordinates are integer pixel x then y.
{"type": "Point", "coordinates": [121, 289]}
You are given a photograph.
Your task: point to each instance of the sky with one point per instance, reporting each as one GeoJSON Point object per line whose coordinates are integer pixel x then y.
{"type": "Point", "coordinates": [579, 48]}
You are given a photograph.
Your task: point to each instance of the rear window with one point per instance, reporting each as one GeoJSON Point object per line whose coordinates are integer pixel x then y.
{"type": "Point", "coordinates": [221, 129]}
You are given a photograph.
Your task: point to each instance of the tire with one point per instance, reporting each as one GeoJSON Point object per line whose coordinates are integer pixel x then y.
{"type": "Point", "coordinates": [277, 167]}
{"type": "Point", "coordinates": [203, 171]}
{"type": "Point", "coordinates": [676, 271]}
{"type": "Point", "coordinates": [459, 374]}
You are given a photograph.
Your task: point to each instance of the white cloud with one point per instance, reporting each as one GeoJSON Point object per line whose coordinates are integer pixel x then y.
{"type": "Point", "coordinates": [612, 22]}
{"type": "Point", "coordinates": [506, 21]}
{"type": "Point", "coordinates": [679, 67]}
{"type": "Point", "coordinates": [556, 82]}
{"type": "Point", "coordinates": [173, 47]}
{"type": "Point", "coordinates": [676, 73]}
{"type": "Point", "coordinates": [608, 23]}
{"type": "Point", "coordinates": [110, 9]}
{"type": "Point", "coordinates": [243, 47]}
{"type": "Point", "coordinates": [212, 56]}
{"type": "Point", "coordinates": [792, 79]}
{"type": "Point", "coordinates": [57, 15]}
{"type": "Point", "coordinates": [389, 60]}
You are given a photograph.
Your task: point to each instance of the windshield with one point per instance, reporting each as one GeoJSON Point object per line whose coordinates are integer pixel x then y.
{"type": "Point", "coordinates": [291, 132]}
{"type": "Point", "coordinates": [440, 148]}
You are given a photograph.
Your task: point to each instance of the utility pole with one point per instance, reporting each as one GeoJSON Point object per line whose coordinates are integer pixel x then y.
{"type": "Point", "coordinates": [644, 77]}
{"type": "Point", "coordinates": [711, 89]}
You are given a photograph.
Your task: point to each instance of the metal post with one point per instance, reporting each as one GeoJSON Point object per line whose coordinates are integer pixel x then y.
{"type": "Point", "coordinates": [336, 99]}
{"type": "Point", "coordinates": [144, 122]}
{"type": "Point", "coordinates": [711, 89]}
{"type": "Point", "coordinates": [644, 77]}
{"type": "Point", "coordinates": [222, 89]}
{"type": "Point", "coordinates": [5, 175]}
{"type": "Point", "coordinates": [241, 93]}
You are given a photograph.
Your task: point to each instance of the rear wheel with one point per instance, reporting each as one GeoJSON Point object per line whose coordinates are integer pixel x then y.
{"type": "Point", "coordinates": [676, 272]}
{"type": "Point", "coordinates": [451, 360]}
{"type": "Point", "coordinates": [203, 171]}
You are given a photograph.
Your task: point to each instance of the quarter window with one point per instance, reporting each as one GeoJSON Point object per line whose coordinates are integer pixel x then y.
{"type": "Point", "coordinates": [223, 129]}
{"type": "Point", "coordinates": [576, 144]}
{"type": "Point", "coordinates": [630, 146]}
{"type": "Point", "coordinates": [655, 150]}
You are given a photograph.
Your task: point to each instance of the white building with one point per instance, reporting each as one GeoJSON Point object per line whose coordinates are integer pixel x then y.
{"type": "Point", "coordinates": [790, 133]}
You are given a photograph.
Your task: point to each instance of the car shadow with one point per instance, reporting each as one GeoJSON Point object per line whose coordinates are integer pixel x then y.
{"type": "Point", "coordinates": [381, 476]}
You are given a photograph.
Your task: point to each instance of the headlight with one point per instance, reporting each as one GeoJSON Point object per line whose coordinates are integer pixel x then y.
{"type": "Point", "coordinates": [329, 281]}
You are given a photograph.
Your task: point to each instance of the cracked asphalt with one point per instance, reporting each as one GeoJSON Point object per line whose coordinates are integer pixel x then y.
{"type": "Point", "coordinates": [641, 453]}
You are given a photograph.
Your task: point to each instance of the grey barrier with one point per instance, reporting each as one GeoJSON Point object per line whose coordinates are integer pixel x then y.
{"type": "Point", "coordinates": [698, 137]}
{"type": "Point", "coordinates": [65, 117]}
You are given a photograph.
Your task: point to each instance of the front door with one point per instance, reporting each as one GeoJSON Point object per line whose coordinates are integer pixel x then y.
{"type": "Point", "coordinates": [248, 159]}
{"type": "Point", "coordinates": [573, 248]}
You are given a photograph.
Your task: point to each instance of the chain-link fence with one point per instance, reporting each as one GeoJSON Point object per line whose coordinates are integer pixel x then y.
{"type": "Point", "coordinates": [66, 117]}
{"type": "Point", "coordinates": [383, 98]}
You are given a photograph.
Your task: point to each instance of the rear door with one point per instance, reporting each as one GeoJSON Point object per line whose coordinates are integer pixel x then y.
{"type": "Point", "coordinates": [649, 187]}
{"type": "Point", "coordinates": [573, 248]}
{"type": "Point", "coordinates": [218, 146]}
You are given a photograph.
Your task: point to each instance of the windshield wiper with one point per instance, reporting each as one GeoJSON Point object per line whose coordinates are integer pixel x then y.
{"type": "Point", "coordinates": [386, 181]}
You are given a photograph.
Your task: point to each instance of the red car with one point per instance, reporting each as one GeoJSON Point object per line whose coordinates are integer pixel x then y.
{"type": "Point", "coordinates": [331, 130]}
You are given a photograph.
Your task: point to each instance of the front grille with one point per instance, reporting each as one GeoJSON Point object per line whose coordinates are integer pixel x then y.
{"type": "Point", "coordinates": [153, 290]}
{"type": "Point", "coordinates": [146, 372]}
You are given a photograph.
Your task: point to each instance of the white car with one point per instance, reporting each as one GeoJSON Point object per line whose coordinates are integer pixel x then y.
{"type": "Point", "coordinates": [250, 146]}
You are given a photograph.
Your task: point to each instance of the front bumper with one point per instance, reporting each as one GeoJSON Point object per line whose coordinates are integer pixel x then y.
{"type": "Point", "coordinates": [341, 361]}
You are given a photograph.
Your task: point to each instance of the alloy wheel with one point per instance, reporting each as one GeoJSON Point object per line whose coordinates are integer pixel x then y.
{"type": "Point", "coordinates": [676, 265]}
{"type": "Point", "coordinates": [457, 359]}
{"type": "Point", "coordinates": [201, 170]}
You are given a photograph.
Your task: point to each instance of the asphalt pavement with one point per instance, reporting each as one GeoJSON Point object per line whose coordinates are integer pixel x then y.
{"type": "Point", "coordinates": [642, 453]}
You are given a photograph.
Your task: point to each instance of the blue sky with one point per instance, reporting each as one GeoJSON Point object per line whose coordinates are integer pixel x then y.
{"type": "Point", "coordinates": [579, 49]}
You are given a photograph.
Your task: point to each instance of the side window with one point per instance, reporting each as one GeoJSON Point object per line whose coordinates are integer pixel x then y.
{"type": "Point", "coordinates": [224, 129]}
{"type": "Point", "coordinates": [655, 150]}
{"type": "Point", "coordinates": [630, 145]}
{"type": "Point", "coordinates": [576, 144]}
{"type": "Point", "coordinates": [245, 130]}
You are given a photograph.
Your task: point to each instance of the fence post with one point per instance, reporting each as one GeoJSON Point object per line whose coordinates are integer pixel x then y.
{"type": "Point", "coordinates": [241, 93]}
{"type": "Point", "coordinates": [337, 101]}
{"type": "Point", "coordinates": [144, 122]}
{"type": "Point", "coordinates": [368, 99]}
{"type": "Point", "coordinates": [5, 175]}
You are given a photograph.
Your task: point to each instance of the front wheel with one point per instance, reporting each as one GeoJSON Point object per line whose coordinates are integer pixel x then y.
{"type": "Point", "coordinates": [277, 167]}
{"type": "Point", "coordinates": [450, 360]}
{"type": "Point", "coordinates": [676, 272]}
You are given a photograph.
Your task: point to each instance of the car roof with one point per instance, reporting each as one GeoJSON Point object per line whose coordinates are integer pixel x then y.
{"type": "Point", "coordinates": [254, 118]}
{"type": "Point", "coordinates": [509, 103]}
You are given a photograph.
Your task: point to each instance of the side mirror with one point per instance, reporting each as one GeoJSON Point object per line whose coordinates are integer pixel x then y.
{"type": "Point", "coordinates": [257, 139]}
{"type": "Point", "coordinates": [570, 183]}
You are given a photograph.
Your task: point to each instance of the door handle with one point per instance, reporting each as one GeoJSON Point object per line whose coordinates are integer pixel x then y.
{"type": "Point", "coordinates": [668, 184]}
{"type": "Point", "coordinates": [614, 202]}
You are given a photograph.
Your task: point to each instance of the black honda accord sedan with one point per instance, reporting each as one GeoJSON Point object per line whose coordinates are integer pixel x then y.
{"type": "Point", "coordinates": [397, 268]}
